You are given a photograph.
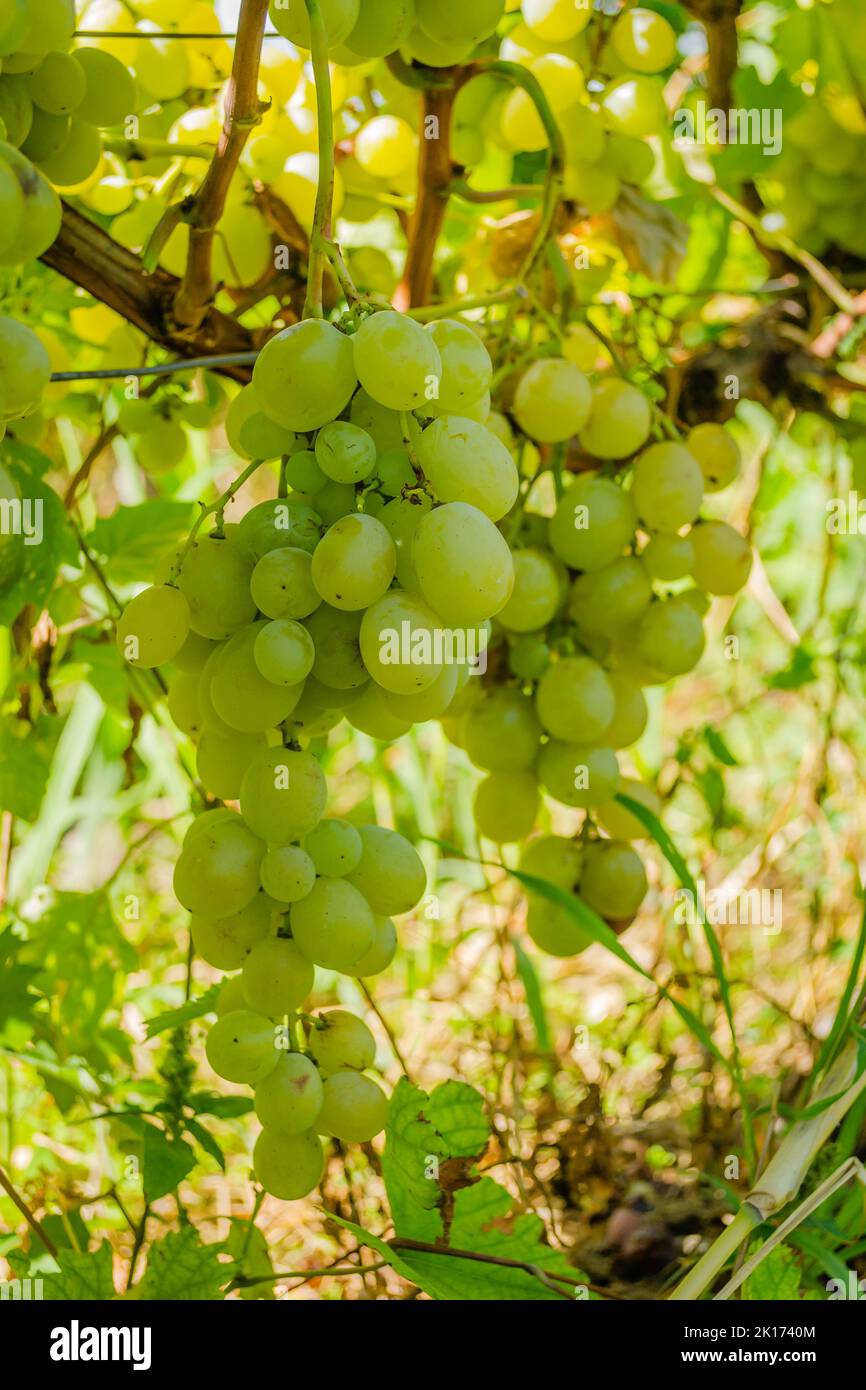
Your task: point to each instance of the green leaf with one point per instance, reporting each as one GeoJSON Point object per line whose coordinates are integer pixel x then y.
{"type": "Point", "coordinates": [224, 1107]}
{"type": "Point", "coordinates": [776, 1280]}
{"type": "Point", "coordinates": [56, 543]}
{"type": "Point", "coordinates": [718, 747]}
{"type": "Point", "coordinates": [166, 1162]}
{"type": "Point", "coordinates": [133, 538]}
{"type": "Point", "coordinates": [800, 672]}
{"type": "Point", "coordinates": [173, 1018]}
{"type": "Point", "coordinates": [81, 1276]}
{"type": "Point", "coordinates": [456, 1112]}
{"type": "Point", "coordinates": [16, 998]}
{"type": "Point", "coordinates": [24, 771]}
{"type": "Point", "coordinates": [534, 999]}
{"type": "Point", "coordinates": [180, 1268]}
{"type": "Point", "coordinates": [413, 1154]}
{"type": "Point", "coordinates": [207, 1141]}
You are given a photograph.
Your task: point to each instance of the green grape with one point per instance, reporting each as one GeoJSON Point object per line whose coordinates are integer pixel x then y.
{"type": "Point", "coordinates": [371, 716]}
{"type": "Point", "coordinates": [241, 1047]}
{"type": "Point", "coordinates": [390, 874]}
{"type": "Point", "coordinates": [578, 775]}
{"type": "Point", "coordinates": [717, 453]}
{"type": "Point", "coordinates": [335, 848]}
{"type": "Point", "coordinates": [467, 370]}
{"type": "Point", "coordinates": [303, 472]}
{"type": "Point", "coordinates": [252, 433]}
{"type": "Point", "coordinates": [153, 627]}
{"type": "Point", "coordinates": [555, 21]}
{"type": "Point", "coordinates": [162, 68]}
{"type": "Point", "coordinates": [506, 805]}
{"type": "Point", "coordinates": [290, 18]}
{"type": "Point", "coordinates": [282, 584]}
{"type": "Point", "coordinates": [215, 581]}
{"type": "Point", "coordinates": [427, 704]}
{"type": "Point", "coordinates": [459, 21]}
{"type": "Point", "coordinates": [207, 819]}
{"type": "Point", "coordinates": [211, 721]}
{"type": "Point", "coordinates": [14, 23]}
{"type": "Point", "coordinates": [217, 873]}
{"type": "Point", "coordinates": [502, 732]}
{"type": "Point", "coordinates": [336, 637]}
{"type": "Point", "coordinates": [16, 108]}
{"type": "Point", "coordinates": [434, 54]}
{"type": "Point", "coordinates": [283, 794]}
{"type": "Point", "coordinates": [396, 361]}
{"type": "Point", "coordinates": [670, 637]}
{"type": "Point", "coordinates": [552, 401]}
{"type": "Point", "coordinates": [537, 592]}
{"type": "Point", "coordinates": [221, 762]}
{"type": "Point", "coordinates": [381, 27]}
{"type": "Point", "coordinates": [634, 106]}
{"type": "Point", "coordinates": [622, 824]}
{"type": "Point", "coordinates": [595, 186]}
{"type": "Point", "coordinates": [225, 942]}
{"type": "Point", "coordinates": [529, 658]}
{"type": "Point", "coordinates": [110, 90]}
{"type": "Point", "coordinates": [344, 452]}
{"type": "Point", "coordinates": [585, 141]}
{"type": "Point", "coordinates": [58, 84]}
{"type": "Point", "coordinates": [722, 558]}
{"type": "Point", "coordinates": [334, 501]}
{"type": "Point", "coordinates": [382, 424]}
{"type": "Point", "coordinates": [283, 651]}
{"type": "Point", "coordinates": [11, 206]}
{"type": "Point", "coordinates": [277, 977]}
{"type": "Point", "coordinates": [629, 158]}
{"type": "Point", "coordinates": [280, 523]}
{"type": "Point", "coordinates": [555, 858]}
{"type": "Point", "coordinates": [288, 1166]}
{"type": "Point", "coordinates": [386, 147]}
{"type": "Point", "coordinates": [395, 472]}
{"type": "Point", "coordinates": [630, 715]}
{"type": "Point", "coordinates": [554, 930]}
{"type": "Point", "coordinates": [643, 40]}
{"type": "Point", "coordinates": [136, 415]}
{"type": "Point", "coordinates": [380, 954]}
{"type": "Point", "coordinates": [466, 463]}
{"type": "Point", "coordinates": [25, 369]}
{"type": "Point", "coordinates": [463, 563]}
{"type": "Point", "coordinates": [575, 700]}
{"type": "Point", "coordinates": [613, 882]}
{"type": "Point", "coordinates": [339, 1041]}
{"type": "Point", "coordinates": [288, 873]}
{"type": "Point", "coordinates": [354, 1108]}
{"type": "Point", "coordinates": [619, 422]}
{"type": "Point", "coordinates": [610, 597]}
{"type": "Point", "coordinates": [51, 25]}
{"type": "Point", "coordinates": [402, 518]}
{"type": "Point", "coordinates": [668, 557]}
{"type": "Point", "coordinates": [242, 249]}
{"type": "Point", "coordinates": [354, 562]}
{"type": "Point", "coordinates": [183, 703]}
{"type": "Point", "coordinates": [25, 239]}
{"type": "Point", "coordinates": [398, 643]}
{"type": "Point", "coordinates": [333, 925]}
{"type": "Point", "coordinates": [230, 997]}
{"type": "Point", "coordinates": [667, 487]}
{"type": "Point", "coordinates": [289, 1099]}
{"type": "Point", "coordinates": [593, 523]}
{"type": "Point", "coordinates": [78, 157]}
{"type": "Point", "coordinates": [242, 697]}
{"type": "Point", "coordinates": [305, 376]}
{"type": "Point", "coordinates": [162, 448]}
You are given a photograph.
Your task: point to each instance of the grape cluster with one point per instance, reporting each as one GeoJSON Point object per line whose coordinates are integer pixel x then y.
{"type": "Point", "coordinates": [812, 187]}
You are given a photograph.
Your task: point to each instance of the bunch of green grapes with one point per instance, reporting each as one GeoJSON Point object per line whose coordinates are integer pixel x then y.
{"type": "Point", "coordinates": [812, 189]}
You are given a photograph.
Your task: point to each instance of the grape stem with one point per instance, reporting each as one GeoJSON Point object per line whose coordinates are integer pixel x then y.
{"type": "Point", "coordinates": [212, 509]}
{"type": "Point", "coordinates": [321, 233]}
{"type": "Point", "coordinates": [428, 313]}
{"type": "Point", "coordinates": [133, 150]}
{"type": "Point", "coordinates": [32, 1222]}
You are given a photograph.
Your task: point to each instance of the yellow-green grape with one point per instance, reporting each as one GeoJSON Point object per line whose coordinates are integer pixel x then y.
{"type": "Point", "coordinates": [561, 80]}
{"type": "Point", "coordinates": [339, 1041]}
{"type": "Point", "coordinates": [585, 141]}
{"type": "Point", "coordinates": [593, 523]}
{"type": "Point", "coordinates": [183, 703]}
{"type": "Point", "coordinates": [47, 135]}
{"type": "Point", "coordinates": [217, 873]}
{"type": "Point", "coordinates": [434, 54]}
{"type": "Point", "coordinates": [630, 713]}
{"type": "Point", "coordinates": [381, 27]}
{"type": "Point", "coordinates": [333, 925]}
{"type": "Point", "coordinates": [206, 820]}
{"type": "Point", "coordinates": [552, 401]}
{"type": "Point", "coordinates": [334, 501]}
{"type": "Point", "coordinates": [290, 18]}
{"type": "Point", "coordinates": [459, 21]}
{"type": "Point", "coordinates": [667, 487]}
{"type": "Point", "coordinates": [303, 472]}
{"type": "Point", "coordinates": [215, 581]}
{"type": "Point", "coordinates": [153, 627]}
{"type": "Point", "coordinates": [274, 525]}
{"type": "Point", "coordinates": [336, 635]}
{"type": "Point", "coordinates": [643, 40]}
{"type": "Point", "coordinates": [162, 447]}
{"type": "Point", "coordinates": [283, 794]}
{"type": "Point", "coordinates": [634, 106]}
{"type": "Point", "coordinates": [282, 584]}
{"type": "Point", "coordinates": [467, 370]}
{"type": "Point", "coordinates": [618, 821]}
{"type": "Point", "coordinates": [11, 205]}
{"type": "Point", "coordinates": [289, 1099]}
{"type": "Point", "coordinates": [582, 347]}
{"type": "Point", "coordinates": [463, 564]}
{"type": "Point", "coordinates": [613, 882]}
{"type": "Point", "coordinates": [395, 472]}
{"type": "Point", "coordinates": [555, 21]}
{"type": "Point", "coordinates": [335, 848]}
{"type": "Point", "coordinates": [529, 658]}
{"type": "Point", "coordinates": [554, 930]}
{"type": "Point", "coordinates": [242, 697]}
{"type": "Point", "coordinates": [277, 977]}
{"type": "Point", "coordinates": [242, 251]}
{"type": "Point", "coordinates": [429, 703]}
{"type": "Point", "coordinates": [610, 597]}
{"type": "Point", "coordinates": [390, 873]}
{"type": "Point", "coordinates": [386, 147]}
{"type": "Point", "coordinates": [33, 224]}
{"type": "Point", "coordinates": [380, 954]}
{"type": "Point", "coordinates": [288, 873]}
{"type": "Point", "coordinates": [225, 942]}
{"type": "Point", "coordinates": [25, 368]}
{"type": "Point", "coordinates": [344, 452]}
{"type": "Point", "coordinates": [230, 997]}
{"type": "Point", "coordinates": [210, 719]}
{"type": "Point", "coordinates": [402, 518]}
{"type": "Point", "coordinates": [578, 775]}
{"type": "Point", "coordinates": [631, 159]}
{"type": "Point", "coordinates": [252, 433]}
{"type": "Point", "coordinates": [14, 23]}
{"type": "Point", "coordinates": [58, 84]}
{"type": "Point", "coordinates": [241, 1047]}
{"type": "Point", "coordinates": [288, 1166]}
{"type": "Point", "coordinates": [717, 453]}
{"type": "Point", "coordinates": [283, 651]}
{"type": "Point", "coordinates": [670, 637]}
{"type": "Point", "coordinates": [16, 108]}
{"type": "Point", "coordinates": [354, 562]}
{"type": "Point", "coordinates": [305, 376]}
{"type": "Point", "coordinates": [298, 182]}
{"type": "Point", "coordinates": [382, 424]}
{"type": "Point", "coordinates": [575, 700]}
{"type": "Point", "coordinates": [466, 463]}
{"type": "Point", "coordinates": [109, 95]}
{"type": "Point", "coordinates": [595, 186]}
{"type": "Point", "coordinates": [722, 558]}
{"type": "Point", "coordinates": [502, 732]}
{"type": "Point", "coordinates": [668, 557]}
{"type": "Point", "coordinates": [221, 762]}
{"type": "Point", "coordinates": [51, 24]}
{"type": "Point", "coordinates": [396, 361]}
{"type": "Point", "coordinates": [354, 1108]}
{"type": "Point", "coordinates": [506, 805]}
{"type": "Point", "coordinates": [371, 716]}
{"type": "Point", "coordinates": [78, 157]}
{"type": "Point", "coordinates": [555, 858]}
{"type": "Point", "coordinates": [399, 641]}
{"type": "Point", "coordinates": [619, 422]}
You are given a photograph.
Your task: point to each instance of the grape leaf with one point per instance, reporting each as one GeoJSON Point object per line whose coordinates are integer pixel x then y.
{"type": "Point", "coordinates": [172, 1018]}
{"type": "Point", "coordinates": [23, 773]}
{"type": "Point", "coordinates": [132, 539]}
{"type": "Point", "coordinates": [180, 1268]}
{"type": "Point", "coordinates": [777, 1279]}
{"type": "Point", "coordinates": [166, 1162]}
{"type": "Point", "coordinates": [82, 1275]}
{"type": "Point", "coordinates": [56, 541]}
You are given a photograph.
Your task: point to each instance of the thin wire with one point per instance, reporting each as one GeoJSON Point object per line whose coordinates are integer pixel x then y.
{"type": "Point", "coordinates": [141, 34]}
{"type": "Point", "coordinates": [187, 364]}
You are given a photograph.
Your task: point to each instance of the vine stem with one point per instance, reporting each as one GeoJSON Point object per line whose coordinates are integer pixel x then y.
{"type": "Point", "coordinates": [212, 509]}
{"type": "Point", "coordinates": [321, 232]}
{"type": "Point", "coordinates": [32, 1222]}
{"type": "Point", "coordinates": [435, 176]}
